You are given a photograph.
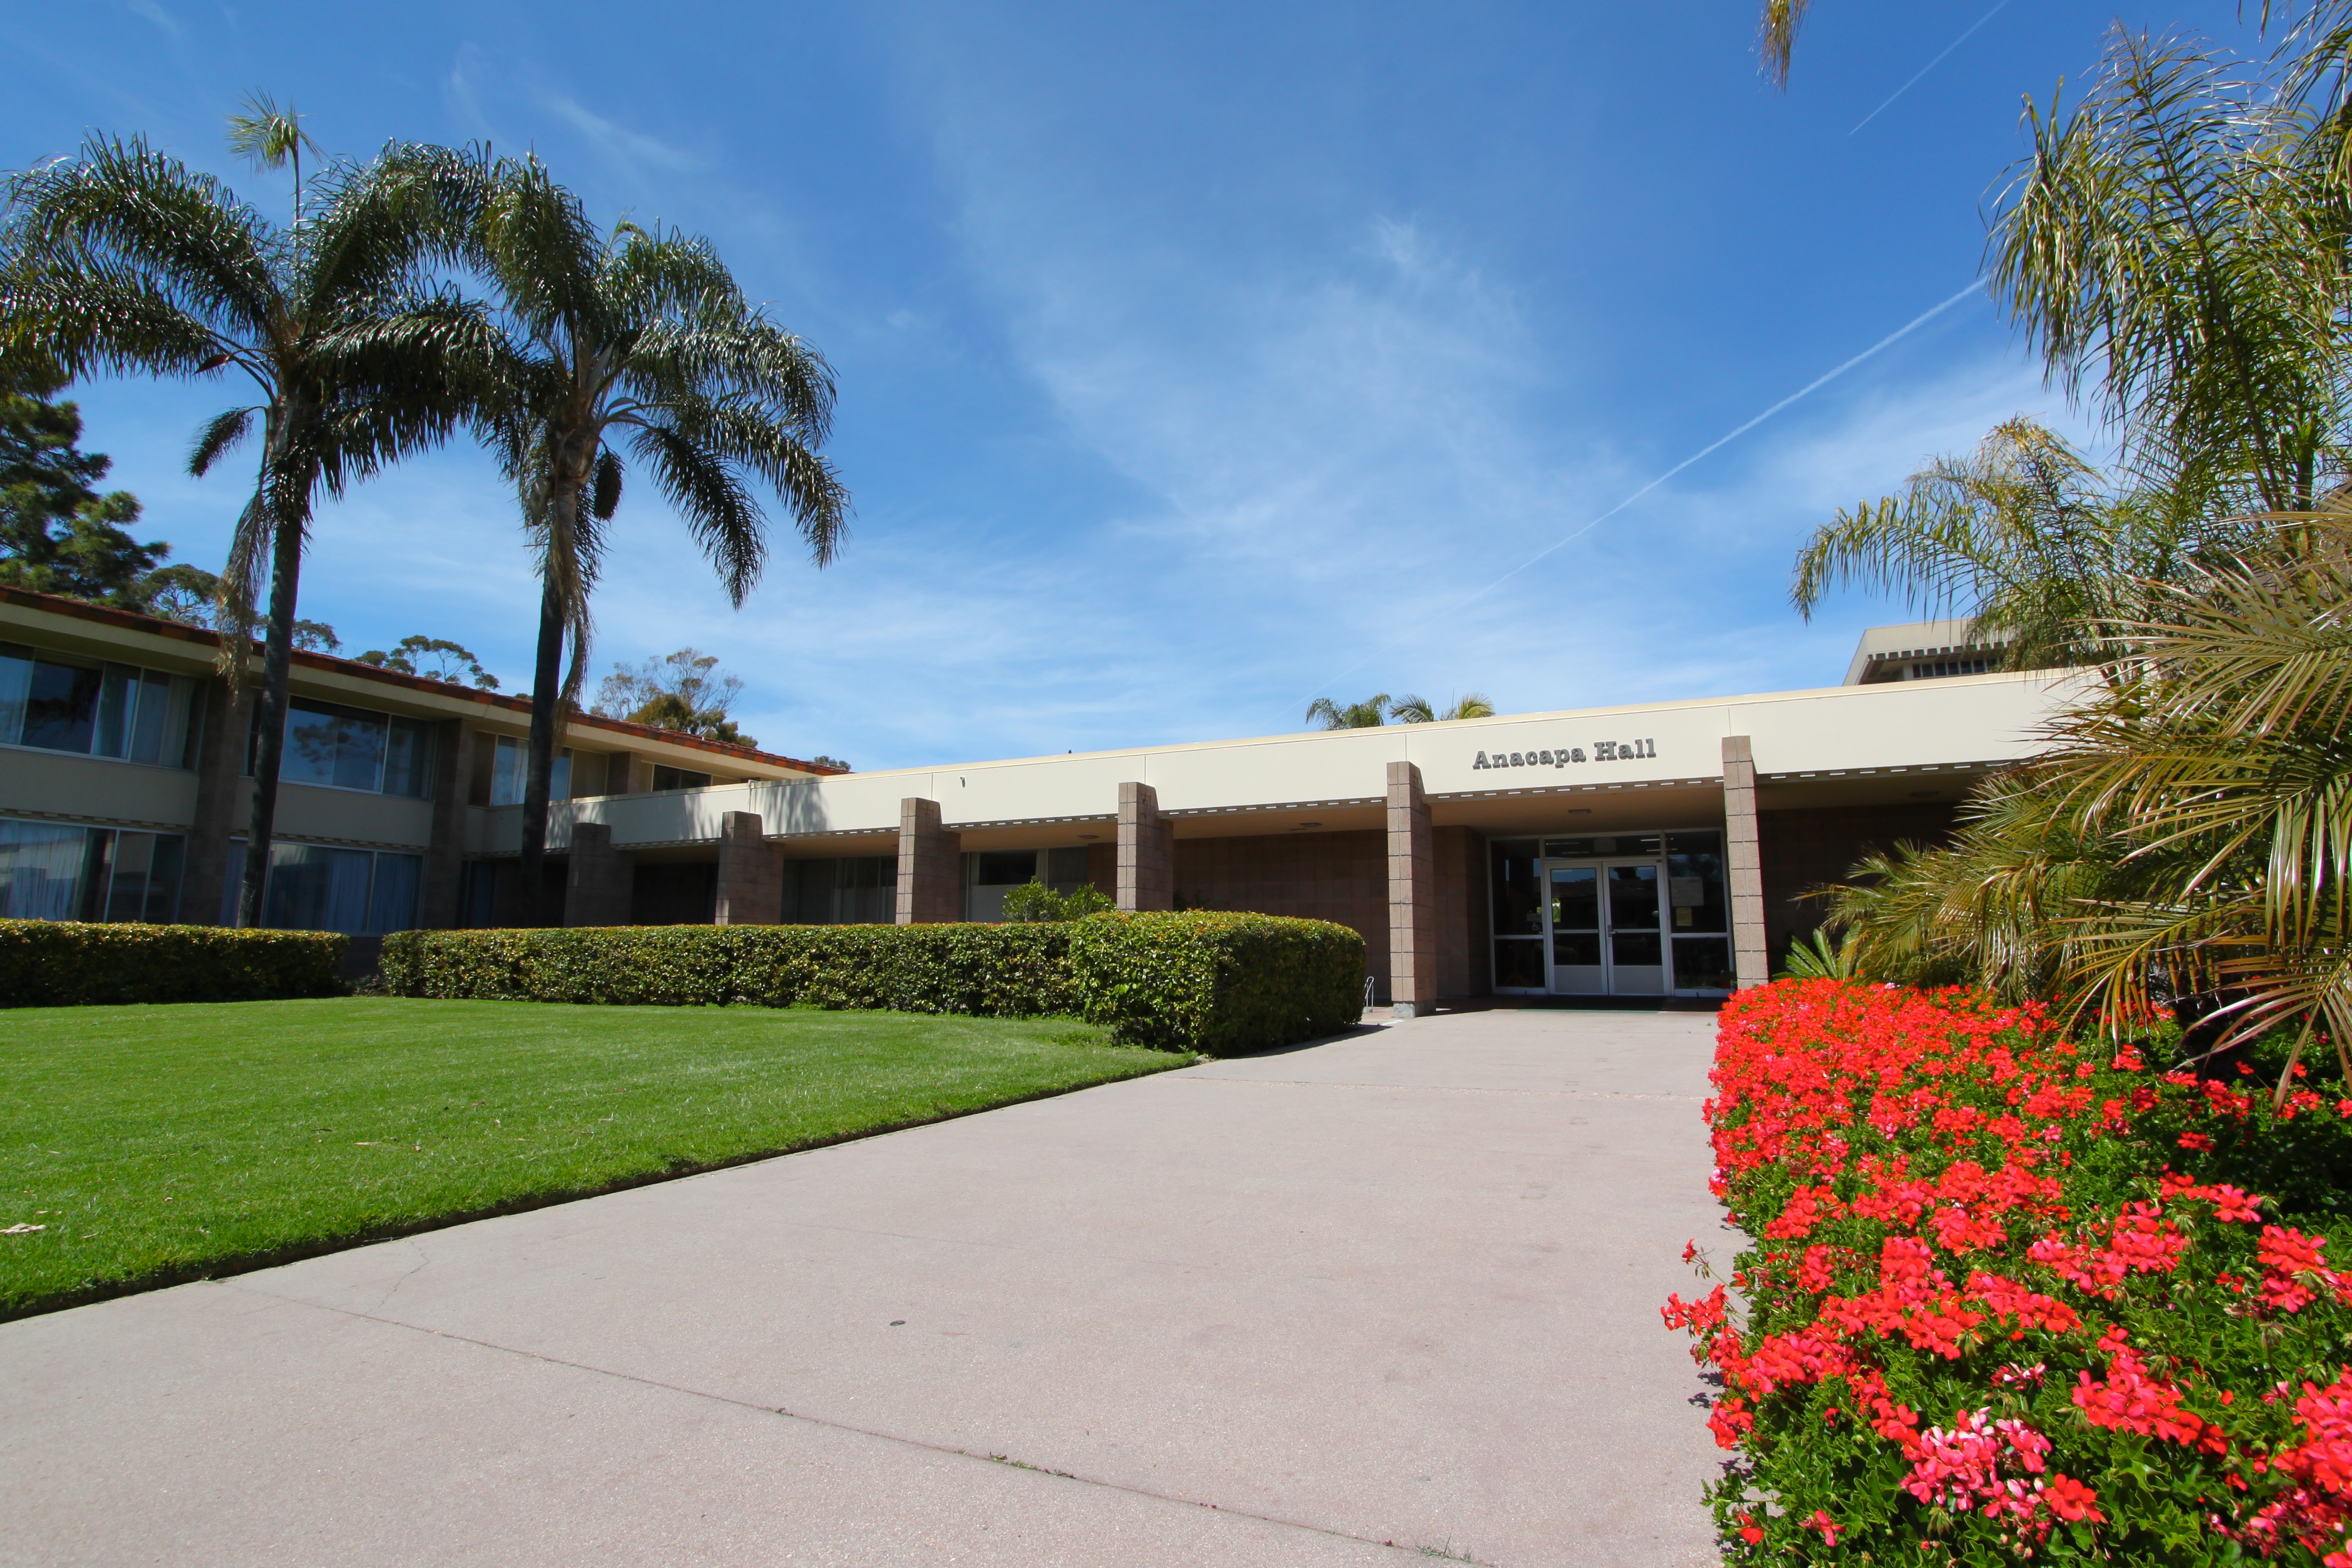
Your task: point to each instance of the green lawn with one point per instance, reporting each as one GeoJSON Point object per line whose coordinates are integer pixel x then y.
{"type": "Point", "coordinates": [153, 1144]}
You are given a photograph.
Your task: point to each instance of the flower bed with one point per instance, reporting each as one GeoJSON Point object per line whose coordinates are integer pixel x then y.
{"type": "Point", "coordinates": [2008, 1298]}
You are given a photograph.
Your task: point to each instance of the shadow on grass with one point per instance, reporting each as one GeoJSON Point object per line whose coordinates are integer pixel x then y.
{"type": "Point", "coordinates": [90, 1292]}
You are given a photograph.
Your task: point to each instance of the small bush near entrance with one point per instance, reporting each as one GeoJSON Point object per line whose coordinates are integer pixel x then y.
{"type": "Point", "coordinates": [1215, 982]}
{"type": "Point", "coordinates": [2014, 1296]}
{"type": "Point", "coordinates": [1218, 983]}
{"type": "Point", "coordinates": [69, 963]}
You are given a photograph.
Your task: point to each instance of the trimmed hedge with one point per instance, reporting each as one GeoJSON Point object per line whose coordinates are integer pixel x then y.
{"type": "Point", "coordinates": [991, 971]}
{"type": "Point", "coordinates": [1217, 983]}
{"type": "Point", "coordinates": [67, 963]}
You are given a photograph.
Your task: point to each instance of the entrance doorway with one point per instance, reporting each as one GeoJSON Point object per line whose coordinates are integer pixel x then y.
{"type": "Point", "coordinates": [1612, 915]}
{"type": "Point", "coordinates": [1604, 919]}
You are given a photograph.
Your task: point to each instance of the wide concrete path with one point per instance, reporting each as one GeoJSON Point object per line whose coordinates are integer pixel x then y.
{"type": "Point", "coordinates": [1393, 1294]}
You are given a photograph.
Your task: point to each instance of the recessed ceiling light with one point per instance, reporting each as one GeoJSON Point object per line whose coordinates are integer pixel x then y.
{"type": "Point", "coordinates": [1089, 837]}
{"type": "Point", "coordinates": [1310, 824]}
{"type": "Point", "coordinates": [1580, 811]}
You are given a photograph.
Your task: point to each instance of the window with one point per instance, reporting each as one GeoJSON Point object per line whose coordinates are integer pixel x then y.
{"type": "Point", "coordinates": [861, 889]}
{"type": "Point", "coordinates": [49, 870]}
{"type": "Point", "coordinates": [323, 887]}
{"type": "Point", "coordinates": [510, 768]}
{"type": "Point", "coordinates": [1696, 891]}
{"type": "Point", "coordinates": [666, 778]}
{"type": "Point", "coordinates": [96, 710]}
{"type": "Point", "coordinates": [334, 747]}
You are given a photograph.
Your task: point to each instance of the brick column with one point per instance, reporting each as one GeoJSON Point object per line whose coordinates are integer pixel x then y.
{"type": "Point", "coordinates": [1743, 862]}
{"type": "Point", "coordinates": [1412, 895]}
{"type": "Point", "coordinates": [598, 879]}
{"type": "Point", "coordinates": [1147, 850]}
{"type": "Point", "coordinates": [445, 856]}
{"type": "Point", "coordinates": [220, 799]}
{"type": "Point", "coordinates": [930, 866]}
{"type": "Point", "coordinates": [750, 872]}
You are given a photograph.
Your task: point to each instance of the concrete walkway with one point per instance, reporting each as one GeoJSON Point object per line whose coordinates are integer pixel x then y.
{"type": "Point", "coordinates": [1390, 1295]}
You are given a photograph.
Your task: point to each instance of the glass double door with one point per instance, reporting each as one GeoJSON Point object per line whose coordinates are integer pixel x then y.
{"type": "Point", "coordinates": [1605, 927]}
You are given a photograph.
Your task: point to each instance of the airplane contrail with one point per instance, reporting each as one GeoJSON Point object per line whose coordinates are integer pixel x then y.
{"type": "Point", "coordinates": [1930, 66]}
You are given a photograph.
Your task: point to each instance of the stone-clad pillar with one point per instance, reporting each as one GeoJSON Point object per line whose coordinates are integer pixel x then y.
{"type": "Point", "coordinates": [598, 881]}
{"type": "Point", "coordinates": [1743, 865]}
{"type": "Point", "coordinates": [931, 865]}
{"type": "Point", "coordinates": [1412, 895]}
{"type": "Point", "coordinates": [1147, 850]}
{"type": "Point", "coordinates": [750, 872]}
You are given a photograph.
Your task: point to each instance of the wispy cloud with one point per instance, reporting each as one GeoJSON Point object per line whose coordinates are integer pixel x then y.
{"type": "Point", "coordinates": [634, 149]}
{"type": "Point", "coordinates": [157, 15]}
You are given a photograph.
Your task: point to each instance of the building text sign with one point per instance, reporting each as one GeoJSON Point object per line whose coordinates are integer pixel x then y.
{"type": "Point", "coordinates": [1560, 756]}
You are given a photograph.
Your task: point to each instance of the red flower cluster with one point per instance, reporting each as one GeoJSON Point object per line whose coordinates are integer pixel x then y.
{"type": "Point", "coordinates": [1936, 1184]}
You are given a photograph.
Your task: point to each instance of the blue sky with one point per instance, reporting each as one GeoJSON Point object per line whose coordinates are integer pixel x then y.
{"type": "Point", "coordinates": [1195, 361]}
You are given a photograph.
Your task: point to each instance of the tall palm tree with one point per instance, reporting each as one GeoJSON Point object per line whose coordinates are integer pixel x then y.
{"type": "Point", "coordinates": [1776, 36]}
{"type": "Point", "coordinates": [635, 340]}
{"type": "Point", "coordinates": [2024, 536]}
{"type": "Point", "coordinates": [123, 259]}
{"type": "Point", "coordinates": [2183, 240]}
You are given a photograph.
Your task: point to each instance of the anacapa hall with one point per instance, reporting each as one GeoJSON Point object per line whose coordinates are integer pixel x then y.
{"type": "Point", "coordinates": [1657, 850]}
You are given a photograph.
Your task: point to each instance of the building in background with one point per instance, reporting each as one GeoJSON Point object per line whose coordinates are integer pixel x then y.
{"type": "Point", "coordinates": [1658, 850]}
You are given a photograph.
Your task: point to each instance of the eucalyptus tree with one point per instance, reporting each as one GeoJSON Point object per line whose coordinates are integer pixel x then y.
{"type": "Point", "coordinates": [635, 340]}
{"type": "Point", "coordinates": [123, 259]}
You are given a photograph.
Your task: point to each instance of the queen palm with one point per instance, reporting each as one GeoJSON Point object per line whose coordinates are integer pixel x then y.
{"type": "Point", "coordinates": [123, 259]}
{"type": "Point", "coordinates": [637, 339]}
{"type": "Point", "coordinates": [1417, 710]}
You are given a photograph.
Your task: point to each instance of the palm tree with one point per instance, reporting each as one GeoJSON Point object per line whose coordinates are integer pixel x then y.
{"type": "Point", "coordinates": [123, 259]}
{"type": "Point", "coordinates": [2188, 836]}
{"type": "Point", "coordinates": [1416, 710]}
{"type": "Point", "coordinates": [1370, 714]}
{"type": "Point", "coordinates": [638, 338]}
{"type": "Point", "coordinates": [2183, 239]}
{"type": "Point", "coordinates": [1776, 36]}
{"type": "Point", "coordinates": [2024, 538]}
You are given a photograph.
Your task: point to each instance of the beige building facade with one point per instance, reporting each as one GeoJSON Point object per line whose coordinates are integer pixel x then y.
{"type": "Point", "coordinates": [1658, 850]}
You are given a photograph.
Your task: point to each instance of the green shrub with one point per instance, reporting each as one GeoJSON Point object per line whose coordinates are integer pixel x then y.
{"type": "Point", "coordinates": [1210, 982]}
{"type": "Point", "coordinates": [1215, 982]}
{"type": "Point", "coordinates": [990, 971]}
{"type": "Point", "coordinates": [67, 963]}
{"type": "Point", "coordinates": [1032, 900]}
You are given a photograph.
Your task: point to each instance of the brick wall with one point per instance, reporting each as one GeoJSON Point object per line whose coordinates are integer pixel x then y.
{"type": "Point", "coordinates": [1806, 849]}
{"type": "Point", "coordinates": [1340, 877]}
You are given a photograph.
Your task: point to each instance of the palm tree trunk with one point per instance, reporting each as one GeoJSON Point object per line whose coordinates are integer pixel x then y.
{"type": "Point", "coordinates": [546, 696]}
{"type": "Point", "coordinates": [270, 713]}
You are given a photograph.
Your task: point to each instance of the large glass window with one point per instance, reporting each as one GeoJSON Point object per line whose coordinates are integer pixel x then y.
{"type": "Point", "coordinates": [1518, 897]}
{"type": "Point", "coordinates": [50, 871]}
{"type": "Point", "coordinates": [858, 890]}
{"type": "Point", "coordinates": [335, 747]}
{"type": "Point", "coordinates": [96, 710]}
{"type": "Point", "coordinates": [1702, 912]}
{"type": "Point", "coordinates": [669, 777]}
{"type": "Point", "coordinates": [511, 769]}
{"type": "Point", "coordinates": [325, 887]}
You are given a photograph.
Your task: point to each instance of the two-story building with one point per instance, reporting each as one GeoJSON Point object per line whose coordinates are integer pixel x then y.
{"type": "Point", "coordinates": [1653, 849]}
